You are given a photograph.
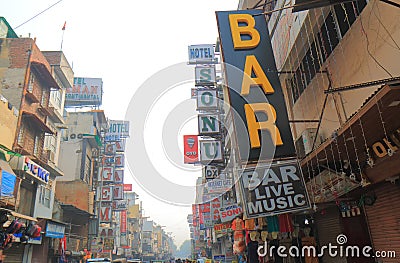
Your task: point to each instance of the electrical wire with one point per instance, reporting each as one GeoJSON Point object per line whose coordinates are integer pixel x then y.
{"type": "Point", "coordinates": [37, 14]}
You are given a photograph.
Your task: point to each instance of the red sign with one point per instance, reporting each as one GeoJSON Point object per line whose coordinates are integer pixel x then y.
{"type": "Point", "coordinates": [127, 187]}
{"type": "Point", "coordinates": [123, 221]}
{"type": "Point", "coordinates": [191, 148]}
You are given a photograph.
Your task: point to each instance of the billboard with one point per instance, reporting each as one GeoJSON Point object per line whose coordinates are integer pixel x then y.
{"type": "Point", "coordinates": [85, 92]}
{"type": "Point", "coordinates": [118, 130]}
{"type": "Point", "coordinates": [190, 148]}
{"type": "Point", "coordinates": [254, 88]}
{"type": "Point", "coordinates": [272, 190]}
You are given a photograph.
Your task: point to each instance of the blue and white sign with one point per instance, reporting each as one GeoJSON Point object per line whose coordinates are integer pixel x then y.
{"type": "Point", "coordinates": [201, 54]}
{"type": "Point", "coordinates": [54, 230]}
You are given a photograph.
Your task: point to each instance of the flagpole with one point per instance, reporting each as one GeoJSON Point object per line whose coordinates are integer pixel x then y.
{"type": "Point", "coordinates": [62, 37]}
{"type": "Point", "coordinates": [62, 40]}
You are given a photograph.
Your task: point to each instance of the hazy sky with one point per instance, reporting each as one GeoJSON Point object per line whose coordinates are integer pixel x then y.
{"type": "Point", "coordinates": [125, 43]}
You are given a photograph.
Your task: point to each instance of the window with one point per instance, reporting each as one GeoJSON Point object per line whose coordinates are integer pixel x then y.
{"type": "Point", "coordinates": [56, 97]}
{"type": "Point", "coordinates": [36, 145]}
{"type": "Point", "coordinates": [31, 82]}
{"type": "Point", "coordinates": [347, 13]}
{"type": "Point", "coordinates": [21, 136]}
{"type": "Point", "coordinates": [44, 195]}
{"type": "Point", "coordinates": [88, 169]}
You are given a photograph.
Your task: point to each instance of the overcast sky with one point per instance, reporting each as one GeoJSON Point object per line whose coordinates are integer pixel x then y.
{"type": "Point", "coordinates": [125, 43]}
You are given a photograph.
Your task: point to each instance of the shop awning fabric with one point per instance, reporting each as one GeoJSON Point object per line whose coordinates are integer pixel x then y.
{"type": "Point", "coordinates": [377, 119]}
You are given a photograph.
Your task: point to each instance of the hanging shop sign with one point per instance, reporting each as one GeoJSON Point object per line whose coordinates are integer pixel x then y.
{"type": "Point", "coordinates": [105, 214]}
{"type": "Point", "coordinates": [222, 229]}
{"type": "Point", "coordinates": [107, 173]}
{"type": "Point", "coordinates": [207, 100]}
{"type": "Point", "coordinates": [255, 91]}
{"type": "Point", "coordinates": [119, 205]}
{"type": "Point", "coordinates": [127, 187]}
{"type": "Point", "coordinates": [25, 164]}
{"type": "Point", "coordinates": [275, 189]}
{"type": "Point", "coordinates": [54, 230]}
{"type": "Point", "coordinates": [211, 172]}
{"type": "Point", "coordinates": [230, 212]}
{"type": "Point", "coordinates": [216, 204]}
{"type": "Point", "coordinates": [118, 192]}
{"type": "Point", "coordinates": [387, 145]}
{"type": "Point", "coordinates": [205, 76]}
{"type": "Point", "coordinates": [208, 124]}
{"type": "Point", "coordinates": [123, 221]}
{"type": "Point", "coordinates": [119, 176]}
{"type": "Point", "coordinates": [190, 148]}
{"type": "Point", "coordinates": [219, 186]}
{"type": "Point", "coordinates": [328, 186]}
{"type": "Point", "coordinates": [118, 128]}
{"type": "Point", "coordinates": [210, 150]}
{"type": "Point", "coordinates": [85, 92]}
{"type": "Point", "coordinates": [201, 54]}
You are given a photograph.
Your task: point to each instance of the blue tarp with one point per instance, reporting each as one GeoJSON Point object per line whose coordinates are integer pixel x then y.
{"type": "Point", "coordinates": [7, 183]}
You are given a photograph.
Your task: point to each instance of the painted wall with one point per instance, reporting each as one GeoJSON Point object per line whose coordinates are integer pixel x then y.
{"type": "Point", "coordinates": [74, 193]}
{"type": "Point", "coordinates": [8, 123]}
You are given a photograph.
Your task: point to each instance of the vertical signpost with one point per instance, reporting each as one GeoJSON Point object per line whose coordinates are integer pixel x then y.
{"type": "Point", "coordinates": [261, 122]}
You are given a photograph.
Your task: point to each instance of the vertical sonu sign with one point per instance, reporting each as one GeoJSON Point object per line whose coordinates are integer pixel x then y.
{"type": "Point", "coordinates": [255, 93]}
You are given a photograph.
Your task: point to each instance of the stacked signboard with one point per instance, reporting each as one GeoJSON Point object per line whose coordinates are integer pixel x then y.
{"type": "Point", "coordinates": [110, 197]}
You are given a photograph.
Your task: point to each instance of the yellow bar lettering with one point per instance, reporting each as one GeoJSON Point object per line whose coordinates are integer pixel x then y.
{"type": "Point", "coordinates": [253, 125]}
{"type": "Point", "coordinates": [251, 65]}
{"type": "Point", "coordinates": [237, 31]}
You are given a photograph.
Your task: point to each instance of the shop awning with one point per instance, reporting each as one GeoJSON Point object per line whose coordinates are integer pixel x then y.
{"type": "Point", "coordinates": [375, 122]}
{"type": "Point", "coordinates": [75, 210]}
{"type": "Point", "coordinates": [18, 215]}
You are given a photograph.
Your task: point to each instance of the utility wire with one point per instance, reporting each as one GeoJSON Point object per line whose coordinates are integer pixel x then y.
{"type": "Point", "coordinates": [37, 14]}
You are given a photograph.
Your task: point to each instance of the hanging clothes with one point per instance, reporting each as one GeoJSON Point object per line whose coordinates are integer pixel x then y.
{"type": "Point", "coordinates": [252, 256]}
{"type": "Point", "coordinates": [273, 224]}
{"type": "Point", "coordinates": [285, 223]}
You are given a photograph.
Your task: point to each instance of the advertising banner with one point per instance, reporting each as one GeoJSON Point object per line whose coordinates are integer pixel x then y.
{"type": "Point", "coordinates": [119, 205]}
{"type": "Point", "coordinates": [255, 91]}
{"type": "Point", "coordinates": [201, 54]}
{"type": "Point", "coordinates": [219, 185]}
{"type": "Point", "coordinates": [205, 75]}
{"type": "Point", "coordinates": [190, 148]}
{"type": "Point", "coordinates": [222, 229]}
{"type": "Point", "coordinates": [272, 190]}
{"type": "Point", "coordinates": [85, 92]}
{"type": "Point", "coordinates": [215, 206]}
{"type": "Point", "coordinates": [127, 187]}
{"type": "Point", "coordinates": [123, 221]}
{"type": "Point", "coordinates": [230, 212]}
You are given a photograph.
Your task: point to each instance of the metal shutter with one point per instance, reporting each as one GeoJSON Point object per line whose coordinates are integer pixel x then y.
{"type": "Point", "coordinates": [328, 228]}
{"type": "Point", "coordinates": [384, 220]}
{"type": "Point", "coordinates": [14, 254]}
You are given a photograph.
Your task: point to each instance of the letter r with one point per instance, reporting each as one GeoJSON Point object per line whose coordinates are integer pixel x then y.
{"type": "Point", "coordinates": [237, 31]}
{"type": "Point", "coordinates": [253, 125]}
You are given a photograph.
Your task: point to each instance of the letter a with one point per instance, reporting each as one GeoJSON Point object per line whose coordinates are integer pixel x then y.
{"type": "Point", "coordinates": [253, 125]}
{"type": "Point", "coordinates": [249, 30]}
{"type": "Point", "coordinates": [251, 65]}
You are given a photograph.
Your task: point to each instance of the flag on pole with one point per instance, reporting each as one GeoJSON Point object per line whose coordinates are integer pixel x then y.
{"type": "Point", "coordinates": [65, 23]}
